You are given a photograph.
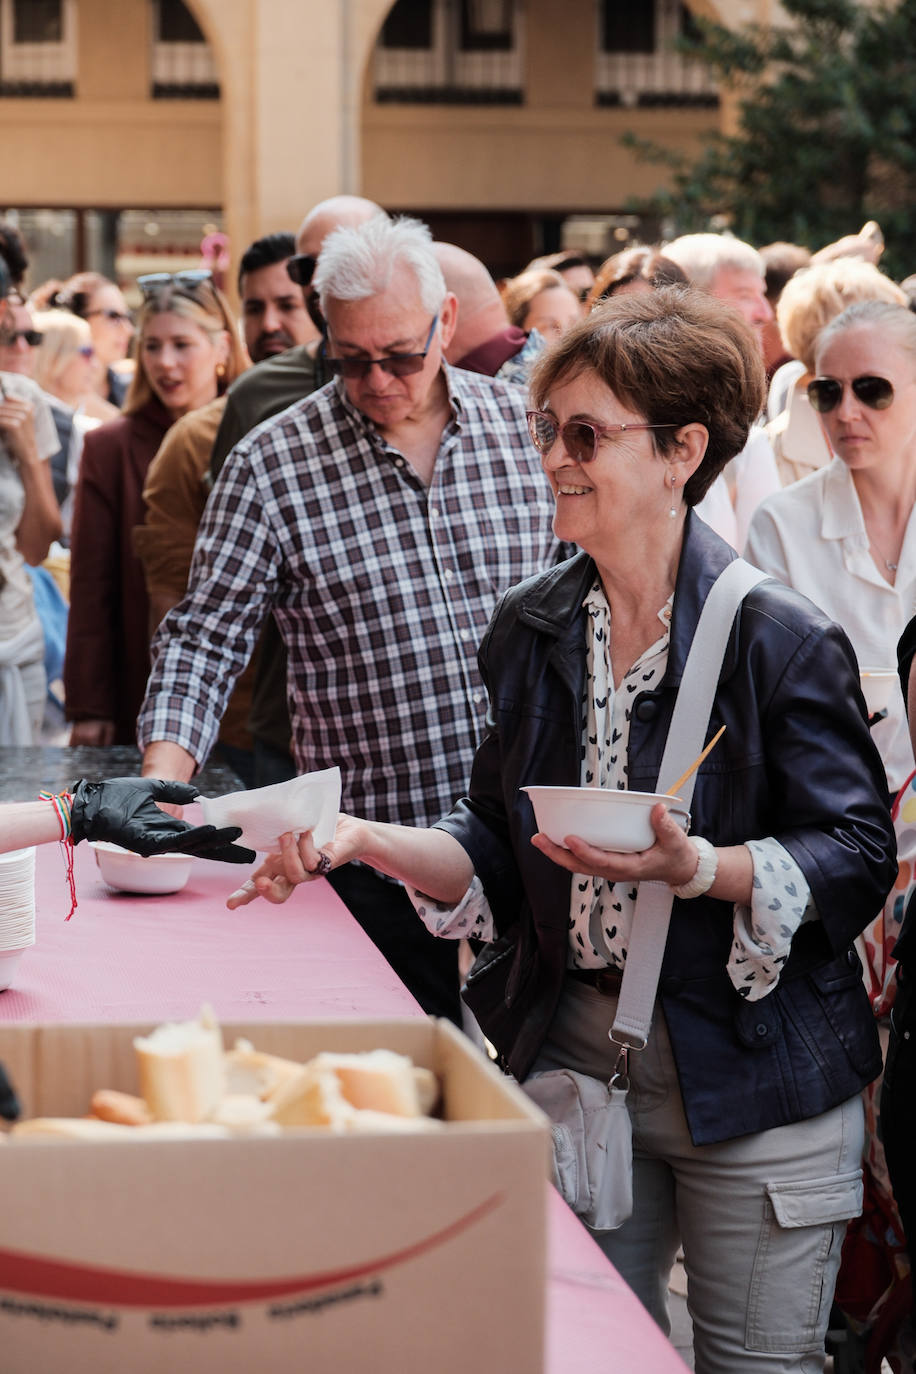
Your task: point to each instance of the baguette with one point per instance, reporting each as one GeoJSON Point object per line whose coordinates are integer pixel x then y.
{"type": "Point", "coordinates": [182, 1077]}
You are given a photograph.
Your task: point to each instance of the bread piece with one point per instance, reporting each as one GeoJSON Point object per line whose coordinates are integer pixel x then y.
{"type": "Point", "coordinates": [427, 1085]}
{"type": "Point", "coordinates": [180, 1064]}
{"type": "Point", "coordinates": [121, 1108]}
{"type": "Point", "coordinates": [248, 1071]}
{"type": "Point", "coordinates": [240, 1111]}
{"type": "Point", "coordinates": [311, 1097]}
{"type": "Point", "coordinates": [378, 1081]}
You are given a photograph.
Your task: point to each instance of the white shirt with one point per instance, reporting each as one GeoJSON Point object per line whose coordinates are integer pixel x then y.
{"type": "Point", "coordinates": [812, 536]}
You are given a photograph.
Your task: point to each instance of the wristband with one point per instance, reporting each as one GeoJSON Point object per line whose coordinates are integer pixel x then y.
{"type": "Point", "coordinates": [62, 802]}
{"type": "Point", "coordinates": [705, 875]}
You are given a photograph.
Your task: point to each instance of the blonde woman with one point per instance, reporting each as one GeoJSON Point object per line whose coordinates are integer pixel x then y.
{"type": "Point", "coordinates": [63, 369]}
{"type": "Point", "coordinates": [188, 353]}
{"type": "Point", "coordinates": [809, 301]}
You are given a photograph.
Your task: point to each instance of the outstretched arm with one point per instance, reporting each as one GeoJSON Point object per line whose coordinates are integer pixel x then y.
{"type": "Point", "coordinates": [429, 860]}
{"type": "Point", "coordinates": [124, 811]}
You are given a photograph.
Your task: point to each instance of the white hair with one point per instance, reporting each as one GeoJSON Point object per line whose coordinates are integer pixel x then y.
{"type": "Point", "coordinates": [703, 256]}
{"type": "Point", "coordinates": [359, 261]}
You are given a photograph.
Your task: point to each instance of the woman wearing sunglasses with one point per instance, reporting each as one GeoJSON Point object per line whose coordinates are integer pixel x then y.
{"type": "Point", "coordinates": [188, 353]}
{"type": "Point", "coordinates": [845, 536]}
{"type": "Point", "coordinates": [101, 304]}
{"type": "Point", "coordinates": [745, 1104]}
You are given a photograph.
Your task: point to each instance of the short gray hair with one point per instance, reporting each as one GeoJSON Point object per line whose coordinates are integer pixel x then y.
{"type": "Point", "coordinates": [360, 261]}
{"type": "Point", "coordinates": [702, 256]}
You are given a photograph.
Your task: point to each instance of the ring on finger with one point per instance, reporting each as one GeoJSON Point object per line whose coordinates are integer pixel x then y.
{"type": "Point", "coordinates": [323, 866]}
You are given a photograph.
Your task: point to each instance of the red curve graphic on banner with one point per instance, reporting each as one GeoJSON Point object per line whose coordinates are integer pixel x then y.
{"type": "Point", "coordinates": [66, 1281]}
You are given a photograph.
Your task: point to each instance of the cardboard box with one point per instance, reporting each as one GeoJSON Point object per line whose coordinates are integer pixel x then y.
{"type": "Point", "coordinates": [318, 1252]}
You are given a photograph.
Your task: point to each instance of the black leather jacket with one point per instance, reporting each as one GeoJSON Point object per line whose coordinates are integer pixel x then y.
{"type": "Point", "coordinates": [796, 762]}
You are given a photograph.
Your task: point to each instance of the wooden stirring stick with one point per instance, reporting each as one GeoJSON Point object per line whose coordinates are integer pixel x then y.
{"type": "Point", "coordinates": [673, 791]}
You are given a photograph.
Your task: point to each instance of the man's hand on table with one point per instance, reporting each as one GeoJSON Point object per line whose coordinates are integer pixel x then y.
{"type": "Point", "coordinates": [124, 811]}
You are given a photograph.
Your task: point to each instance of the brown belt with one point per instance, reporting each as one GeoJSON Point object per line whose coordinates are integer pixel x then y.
{"type": "Point", "coordinates": [606, 980]}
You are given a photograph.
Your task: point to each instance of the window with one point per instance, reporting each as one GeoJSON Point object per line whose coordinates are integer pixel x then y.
{"type": "Point", "coordinates": [638, 62]}
{"type": "Point", "coordinates": [450, 52]}
{"type": "Point", "coordinates": [177, 24]}
{"type": "Point", "coordinates": [627, 27]}
{"type": "Point", "coordinates": [183, 65]}
{"type": "Point", "coordinates": [38, 21]}
{"type": "Point", "coordinates": [409, 25]}
{"type": "Point", "coordinates": [37, 47]}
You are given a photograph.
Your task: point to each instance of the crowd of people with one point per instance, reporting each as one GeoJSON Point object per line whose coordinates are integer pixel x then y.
{"type": "Point", "coordinates": [455, 536]}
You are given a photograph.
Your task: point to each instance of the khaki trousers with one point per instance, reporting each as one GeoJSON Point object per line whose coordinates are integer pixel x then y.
{"type": "Point", "coordinates": [761, 1218]}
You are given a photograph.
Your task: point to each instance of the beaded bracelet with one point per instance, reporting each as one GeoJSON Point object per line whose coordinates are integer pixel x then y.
{"type": "Point", "coordinates": [705, 873]}
{"type": "Point", "coordinates": [62, 803]}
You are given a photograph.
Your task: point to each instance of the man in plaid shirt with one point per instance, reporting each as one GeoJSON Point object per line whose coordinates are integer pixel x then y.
{"type": "Point", "coordinates": [379, 519]}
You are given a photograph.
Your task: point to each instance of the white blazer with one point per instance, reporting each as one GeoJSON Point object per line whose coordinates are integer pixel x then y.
{"type": "Point", "coordinates": [812, 536]}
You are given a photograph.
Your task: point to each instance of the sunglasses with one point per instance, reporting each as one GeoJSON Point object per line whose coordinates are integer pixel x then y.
{"type": "Point", "coordinates": [186, 282]}
{"type": "Point", "coordinates": [580, 439]}
{"type": "Point", "coordinates": [301, 268]}
{"type": "Point", "coordinates": [398, 365]}
{"type": "Point", "coordinates": [116, 316]}
{"type": "Point", "coordinates": [826, 393]}
{"type": "Point", "coordinates": [31, 337]}
{"type": "Point", "coordinates": [86, 351]}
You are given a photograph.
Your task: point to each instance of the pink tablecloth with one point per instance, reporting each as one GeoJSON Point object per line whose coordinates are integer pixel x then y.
{"type": "Point", "coordinates": [134, 958]}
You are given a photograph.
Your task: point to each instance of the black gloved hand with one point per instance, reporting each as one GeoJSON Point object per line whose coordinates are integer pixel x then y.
{"type": "Point", "coordinates": [124, 811]}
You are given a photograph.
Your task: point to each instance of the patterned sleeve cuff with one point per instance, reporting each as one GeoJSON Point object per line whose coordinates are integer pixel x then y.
{"type": "Point", "coordinates": [472, 916]}
{"type": "Point", "coordinates": [762, 932]}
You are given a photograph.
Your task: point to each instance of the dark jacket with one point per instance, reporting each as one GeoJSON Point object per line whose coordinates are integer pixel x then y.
{"type": "Point", "coordinates": [796, 762]}
{"type": "Point", "coordinates": [107, 658]}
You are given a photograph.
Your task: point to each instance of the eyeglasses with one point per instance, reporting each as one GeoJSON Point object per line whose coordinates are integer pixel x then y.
{"type": "Point", "coordinates": [186, 282]}
{"type": "Point", "coordinates": [86, 351]}
{"type": "Point", "coordinates": [10, 340]}
{"type": "Point", "coordinates": [580, 439]}
{"type": "Point", "coordinates": [398, 365]}
{"type": "Point", "coordinates": [826, 393]}
{"type": "Point", "coordinates": [116, 316]}
{"type": "Point", "coordinates": [301, 268]}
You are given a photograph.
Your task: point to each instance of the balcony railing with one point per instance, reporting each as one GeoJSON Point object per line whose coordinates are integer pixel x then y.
{"type": "Point", "coordinates": [184, 71]}
{"type": "Point", "coordinates": [660, 78]}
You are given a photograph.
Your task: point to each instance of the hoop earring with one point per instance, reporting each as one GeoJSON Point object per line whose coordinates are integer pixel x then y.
{"type": "Point", "coordinates": [673, 509]}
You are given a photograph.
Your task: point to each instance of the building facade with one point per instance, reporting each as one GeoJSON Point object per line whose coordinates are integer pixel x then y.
{"type": "Point", "coordinates": [132, 133]}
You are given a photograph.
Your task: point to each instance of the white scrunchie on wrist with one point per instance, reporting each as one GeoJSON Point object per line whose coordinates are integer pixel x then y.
{"type": "Point", "coordinates": [705, 875]}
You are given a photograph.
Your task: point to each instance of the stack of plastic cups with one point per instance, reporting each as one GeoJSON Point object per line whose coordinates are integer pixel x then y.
{"type": "Point", "coordinates": [17, 910]}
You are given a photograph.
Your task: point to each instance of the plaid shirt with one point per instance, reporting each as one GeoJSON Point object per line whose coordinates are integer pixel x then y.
{"type": "Point", "coordinates": [381, 589]}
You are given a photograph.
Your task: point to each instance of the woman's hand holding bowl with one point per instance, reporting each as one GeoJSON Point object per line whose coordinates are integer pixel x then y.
{"type": "Point", "coordinates": [672, 859]}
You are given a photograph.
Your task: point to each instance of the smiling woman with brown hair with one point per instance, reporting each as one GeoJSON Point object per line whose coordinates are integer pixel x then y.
{"type": "Point", "coordinates": [745, 1101]}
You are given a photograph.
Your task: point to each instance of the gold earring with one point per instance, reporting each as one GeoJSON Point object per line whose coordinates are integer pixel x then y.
{"type": "Point", "coordinates": [220, 371]}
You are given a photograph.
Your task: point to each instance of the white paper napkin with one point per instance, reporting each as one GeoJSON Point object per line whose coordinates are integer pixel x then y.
{"type": "Point", "coordinates": [310, 802]}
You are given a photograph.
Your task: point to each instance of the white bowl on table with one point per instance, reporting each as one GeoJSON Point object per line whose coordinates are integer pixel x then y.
{"type": "Point", "coordinates": [878, 687]}
{"type": "Point", "coordinates": [615, 820]}
{"type": "Point", "coordinates": [128, 872]}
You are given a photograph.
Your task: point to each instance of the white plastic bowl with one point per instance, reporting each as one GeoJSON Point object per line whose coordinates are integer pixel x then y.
{"type": "Point", "coordinates": [9, 962]}
{"type": "Point", "coordinates": [608, 819]}
{"type": "Point", "coordinates": [877, 687]}
{"type": "Point", "coordinates": [129, 872]}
